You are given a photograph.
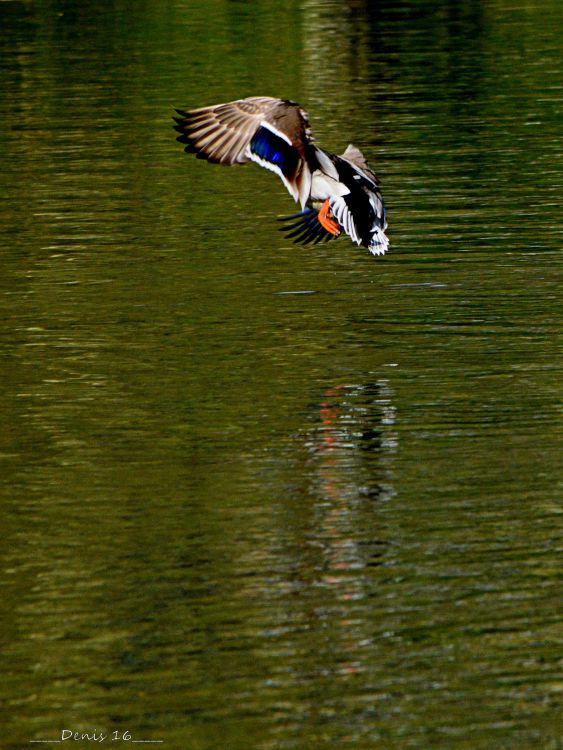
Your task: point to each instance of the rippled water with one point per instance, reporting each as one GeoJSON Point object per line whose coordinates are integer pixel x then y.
{"type": "Point", "coordinates": [261, 496]}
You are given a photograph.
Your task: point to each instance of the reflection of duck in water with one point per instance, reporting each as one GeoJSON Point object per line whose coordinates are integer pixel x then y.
{"type": "Point", "coordinates": [337, 193]}
{"type": "Point", "coordinates": [349, 464]}
{"type": "Point", "coordinates": [354, 437]}
{"type": "Point", "coordinates": [349, 459]}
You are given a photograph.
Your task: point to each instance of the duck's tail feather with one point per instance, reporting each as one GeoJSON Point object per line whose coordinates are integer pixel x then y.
{"type": "Point", "coordinates": [304, 227]}
{"type": "Point", "coordinates": [379, 243]}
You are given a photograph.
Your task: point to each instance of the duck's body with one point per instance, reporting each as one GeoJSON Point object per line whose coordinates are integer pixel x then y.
{"type": "Point", "coordinates": [337, 193]}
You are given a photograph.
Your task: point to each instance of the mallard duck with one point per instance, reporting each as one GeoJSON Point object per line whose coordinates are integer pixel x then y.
{"type": "Point", "coordinates": [337, 193]}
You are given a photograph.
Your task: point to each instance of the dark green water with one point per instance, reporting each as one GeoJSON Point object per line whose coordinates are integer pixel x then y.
{"type": "Point", "coordinates": [261, 496]}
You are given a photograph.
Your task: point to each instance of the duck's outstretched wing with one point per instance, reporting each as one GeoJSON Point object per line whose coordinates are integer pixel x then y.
{"type": "Point", "coordinates": [305, 227]}
{"type": "Point", "coordinates": [274, 133]}
{"type": "Point", "coordinates": [361, 212]}
{"type": "Point", "coordinates": [362, 218]}
{"type": "Point", "coordinates": [355, 157]}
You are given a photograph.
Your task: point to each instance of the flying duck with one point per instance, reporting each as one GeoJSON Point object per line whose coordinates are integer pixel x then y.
{"type": "Point", "coordinates": [337, 193]}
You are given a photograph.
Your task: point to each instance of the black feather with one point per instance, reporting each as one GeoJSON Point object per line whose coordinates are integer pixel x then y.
{"type": "Point", "coordinates": [305, 227]}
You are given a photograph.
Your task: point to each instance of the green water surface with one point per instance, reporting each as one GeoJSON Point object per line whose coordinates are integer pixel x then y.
{"type": "Point", "coordinates": [262, 497]}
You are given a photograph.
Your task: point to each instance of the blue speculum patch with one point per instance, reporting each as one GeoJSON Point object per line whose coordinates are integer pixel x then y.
{"type": "Point", "coordinates": [273, 149]}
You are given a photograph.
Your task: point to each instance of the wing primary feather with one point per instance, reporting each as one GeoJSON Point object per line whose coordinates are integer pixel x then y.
{"type": "Point", "coordinates": [304, 228]}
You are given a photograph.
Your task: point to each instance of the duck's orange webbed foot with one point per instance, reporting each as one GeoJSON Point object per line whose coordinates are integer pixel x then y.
{"type": "Point", "coordinates": [327, 219]}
